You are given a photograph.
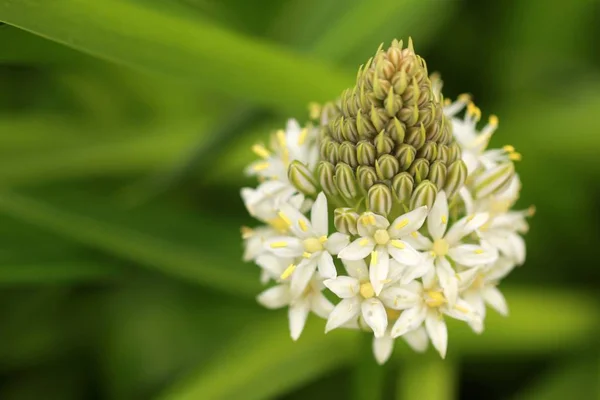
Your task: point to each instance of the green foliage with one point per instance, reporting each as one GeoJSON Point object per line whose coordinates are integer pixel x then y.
{"type": "Point", "coordinates": [124, 127]}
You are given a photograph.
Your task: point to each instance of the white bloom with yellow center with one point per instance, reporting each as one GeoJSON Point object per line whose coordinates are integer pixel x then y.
{"type": "Point", "coordinates": [427, 307]}
{"type": "Point", "coordinates": [445, 245]}
{"type": "Point", "coordinates": [308, 241]}
{"type": "Point", "coordinates": [380, 239]}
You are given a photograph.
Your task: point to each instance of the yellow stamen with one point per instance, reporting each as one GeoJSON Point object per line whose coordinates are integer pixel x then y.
{"type": "Point", "coordinates": [461, 309]}
{"type": "Point", "coordinates": [373, 258]}
{"type": "Point", "coordinates": [261, 166]}
{"type": "Point", "coordinates": [515, 156]}
{"type": "Point", "coordinates": [414, 234]}
{"type": "Point", "coordinates": [247, 233]}
{"type": "Point", "coordinates": [402, 224]}
{"type": "Point", "coordinates": [279, 224]}
{"type": "Point", "coordinates": [508, 148]}
{"type": "Point", "coordinates": [531, 211]}
{"type": "Point", "coordinates": [444, 219]}
{"type": "Point", "coordinates": [261, 151]}
{"type": "Point", "coordinates": [363, 242]}
{"type": "Point", "coordinates": [435, 299]}
{"type": "Point", "coordinates": [464, 98]}
{"type": "Point", "coordinates": [398, 244]}
{"type": "Point", "coordinates": [314, 110]}
{"type": "Point", "coordinates": [323, 239]}
{"type": "Point", "coordinates": [478, 251]}
{"type": "Point", "coordinates": [493, 120]}
{"type": "Point", "coordinates": [278, 245]}
{"type": "Point", "coordinates": [302, 136]}
{"type": "Point", "coordinates": [473, 110]}
{"type": "Point", "coordinates": [447, 102]}
{"type": "Point", "coordinates": [302, 225]}
{"type": "Point", "coordinates": [306, 254]}
{"type": "Point", "coordinates": [288, 271]}
{"type": "Point", "coordinates": [284, 218]}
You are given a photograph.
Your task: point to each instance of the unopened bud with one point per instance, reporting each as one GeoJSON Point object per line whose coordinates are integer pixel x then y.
{"type": "Point", "coordinates": [387, 166]}
{"type": "Point", "coordinates": [419, 170]}
{"type": "Point", "coordinates": [332, 152]}
{"type": "Point", "coordinates": [405, 154]}
{"type": "Point", "coordinates": [366, 177]}
{"type": "Point", "coordinates": [347, 154]}
{"type": "Point", "coordinates": [402, 187]}
{"type": "Point", "coordinates": [366, 153]}
{"type": "Point", "coordinates": [438, 173]}
{"type": "Point", "coordinates": [325, 173]}
{"type": "Point", "coordinates": [456, 177]}
{"type": "Point", "coordinates": [443, 153]}
{"type": "Point", "coordinates": [383, 144]}
{"type": "Point", "coordinates": [416, 136]}
{"type": "Point", "coordinates": [494, 180]}
{"type": "Point", "coordinates": [429, 152]}
{"type": "Point", "coordinates": [345, 220]}
{"type": "Point", "coordinates": [454, 152]}
{"type": "Point", "coordinates": [345, 181]}
{"type": "Point", "coordinates": [423, 195]}
{"type": "Point", "coordinates": [379, 199]}
{"type": "Point", "coordinates": [301, 177]}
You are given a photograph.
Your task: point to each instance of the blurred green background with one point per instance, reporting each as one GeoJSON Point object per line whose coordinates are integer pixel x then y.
{"type": "Point", "coordinates": [124, 126]}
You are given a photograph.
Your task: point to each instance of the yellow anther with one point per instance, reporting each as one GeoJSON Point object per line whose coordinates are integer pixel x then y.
{"type": "Point", "coordinates": [278, 245]}
{"type": "Point", "coordinates": [323, 239]}
{"type": "Point", "coordinates": [306, 254]}
{"type": "Point", "coordinates": [414, 234]}
{"type": "Point", "coordinates": [363, 242]}
{"type": "Point", "coordinates": [371, 219]}
{"type": "Point", "coordinates": [531, 211]}
{"type": "Point", "coordinates": [478, 251]}
{"type": "Point", "coordinates": [402, 224]}
{"type": "Point", "coordinates": [434, 299]}
{"type": "Point", "coordinates": [302, 136]}
{"type": "Point", "coordinates": [461, 309]}
{"type": "Point", "coordinates": [493, 120]}
{"type": "Point", "coordinates": [473, 110]}
{"type": "Point", "coordinates": [447, 102]}
{"type": "Point", "coordinates": [279, 224]}
{"type": "Point", "coordinates": [302, 225]}
{"type": "Point", "coordinates": [440, 247]}
{"type": "Point", "coordinates": [288, 271]}
{"type": "Point", "coordinates": [515, 156]}
{"type": "Point", "coordinates": [366, 290]}
{"type": "Point", "coordinates": [261, 151]}
{"type": "Point", "coordinates": [464, 98]}
{"type": "Point", "coordinates": [284, 218]}
{"type": "Point", "coordinates": [470, 218]}
{"type": "Point", "coordinates": [247, 233]}
{"type": "Point", "coordinates": [314, 110]}
{"type": "Point", "coordinates": [444, 219]}
{"type": "Point", "coordinates": [508, 148]}
{"type": "Point", "coordinates": [261, 166]}
{"type": "Point", "coordinates": [398, 244]}
{"type": "Point", "coordinates": [280, 135]}
{"type": "Point", "coordinates": [373, 258]}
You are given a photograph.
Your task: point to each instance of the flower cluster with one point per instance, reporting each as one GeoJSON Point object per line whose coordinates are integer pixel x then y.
{"type": "Point", "coordinates": [390, 214]}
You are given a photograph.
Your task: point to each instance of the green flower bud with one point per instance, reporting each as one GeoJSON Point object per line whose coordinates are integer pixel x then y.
{"type": "Point", "coordinates": [438, 173]}
{"type": "Point", "coordinates": [405, 154]}
{"type": "Point", "coordinates": [402, 187]}
{"type": "Point", "coordinates": [494, 180]}
{"type": "Point", "coordinates": [443, 153]}
{"type": "Point", "coordinates": [345, 181]}
{"type": "Point", "coordinates": [345, 220]}
{"type": "Point", "coordinates": [332, 152]}
{"type": "Point", "coordinates": [366, 177]}
{"type": "Point", "coordinates": [383, 144]}
{"type": "Point", "coordinates": [366, 153]}
{"type": "Point", "coordinates": [379, 199]}
{"type": "Point", "coordinates": [423, 195]}
{"type": "Point", "coordinates": [429, 152]}
{"type": "Point", "coordinates": [456, 177]}
{"type": "Point", "coordinates": [392, 103]}
{"type": "Point", "coordinates": [349, 131]}
{"type": "Point", "coordinates": [454, 153]}
{"type": "Point", "coordinates": [302, 179]}
{"type": "Point", "coordinates": [416, 136]}
{"type": "Point", "coordinates": [419, 170]}
{"type": "Point", "coordinates": [325, 173]}
{"type": "Point", "coordinates": [387, 166]}
{"type": "Point", "coordinates": [364, 126]}
{"type": "Point", "coordinates": [347, 154]}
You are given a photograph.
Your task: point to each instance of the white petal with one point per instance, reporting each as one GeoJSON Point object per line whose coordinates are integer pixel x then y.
{"type": "Point", "coordinates": [408, 223]}
{"type": "Point", "coordinates": [417, 339]}
{"type": "Point", "coordinates": [358, 249]}
{"type": "Point", "coordinates": [343, 286]}
{"type": "Point", "coordinates": [437, 221]}
{"type": "Point", "coordinates": [297, 313]}
{"type": "Point", "coordinates": [437, 331]}
{"type": "Point", "coordinates": [518, 247]}
{"type": "Point", "coordinates": [382, 348]}
{"type": "Point", "coordinates": [336, 242]}
{"type": "Point", "coordinates": [320, 305]}
{"type": "Point", "coordinates": [396, 272]}
{"type": "Point", "coordinates": [275, 297]}
{"type": "Point", "coordinates": [467, 277]}
{"type": "Point", "coordinates": [273, 265]}
{"type": "Point", "coordinates": [495, 299]}
{"type": "Point", "coordinates": [319, 215]}
{"type": "Point", "coordinates": [447, 279]}
{"type": "Point", "coordinates": [375, 316]}
{"type": "Point", "coordinates": [471, 255]}
{"type": "Point", "coordinates": [463, 311]}
{"type": "Point", "coordinates": [409, 320]}
{"type": "Point", "coordinates": [418, 241]}
{"type": "Point", "coordinates": [302, 276]}
{"type": "Point", "coordinates": [342, 313]}
{"type": "Point", "coordinates": [473, 297]}
{"type": "Point", "coordinates": [367, 228]}
{"type": "Point", "coordinates": [284, 246]}
{"type": "Point", "coordinates": [465, 226]}
{"type": "Point", "coordinates": [265, 277]}
{"type": "Point", "coordinates": [502, 267]}
{"type": "Point", "coordinates": [356, 269]}
{"type": "Point", "coordinates": [326, 267]}
{"type": "Point", "coordinates": [378, 271]}
{"type": "Point", "coordinates": [415, 272]}
{"type": "Point", "coordinates": [404, 253]}
{"type": "Point", "coordinates": [400, 297]}
{"type": "Point", "coordinates": [298, 223]}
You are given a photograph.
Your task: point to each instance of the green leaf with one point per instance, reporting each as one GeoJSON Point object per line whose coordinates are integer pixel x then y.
{"type": "Point", "coordinates": [427, 378]}
{"type": "Point", "coordinates": [152, 39]}
{"type": "Point", "coordinates": [67, 272]}
{"type": "Point", "coordinates": [263, 362]}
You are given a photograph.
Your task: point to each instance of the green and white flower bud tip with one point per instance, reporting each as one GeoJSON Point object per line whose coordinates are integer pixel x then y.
{"type": "Point", "coordinates": [345, 220]}
{"type": "Point", "coordinates": [345, 181]}
{"type": "Point", "coordinates": [379, 199]}
{"type": "Point", "coordinates": [301, 177]}
{"type": "Point", "coordinates": [325, 173]}
{"type": "Point", "coordinates": [366, 177]}
{"type": "Point", "coordinates": [423, 195]}
{"type": "Point", "coordinates": [494, 180]}
{"type": "Point", "coordinates": [456, 177]}
{"type": "Point", "coordinates": [402, 186]}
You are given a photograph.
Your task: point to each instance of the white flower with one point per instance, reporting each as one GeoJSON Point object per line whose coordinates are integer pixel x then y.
{"type": "Point", "coordinates": [446, 244]}
{"type": "Point", "coordinates": [384, 345]}
{"type": "Point", "coordinates": [359, 299]}
{"type": "Point", "coordinates": [426, 306]}
{"type": "Point", "coordinates": [312, 299]}
{"type": "Point", "coordinates": [293, 144]}
{"type": "Point", "coordinates": [380, 239]}
{"type": "Point", "coordinates": [309, 240]}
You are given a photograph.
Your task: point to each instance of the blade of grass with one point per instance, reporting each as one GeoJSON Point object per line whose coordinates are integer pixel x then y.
{"type": "Point", "coordinates": [142, 37]}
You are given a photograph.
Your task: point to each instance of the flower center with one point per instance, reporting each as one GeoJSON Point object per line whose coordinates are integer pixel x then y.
{"type": "Point", "coordinates": [366, 290]}
{"type": "Point", "coordinates": [381, 237]}
{"type": "Point", "coordinates": [440, 247]}
{"type": "Point", "coordinates": [313, 245]}
{"type": "Point", "coordinates": [434, 299]}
